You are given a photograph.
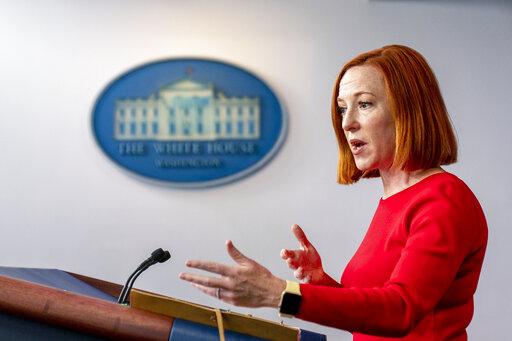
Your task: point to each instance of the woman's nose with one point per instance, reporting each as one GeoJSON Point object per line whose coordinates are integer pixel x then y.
{"type": "Point", "coordinates": [350, 121]}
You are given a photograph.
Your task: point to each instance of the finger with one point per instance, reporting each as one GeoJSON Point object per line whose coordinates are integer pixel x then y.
{"type": "Point", "coordinates": [284, 254]}
{"type": "Point", "coordinates": [291, 264]}
{"type": "Point", "coordinates": [209, 266]}
{"type": "Point", "coordinates": [235, 254]}
{"type": "Point", "coordinates": [206, 290]}
{"type": "Point", "coordinates": [297, 258]}
{"type": "Point", "coordinates": [299, 274]}
{"type": "Point", "coordinates": [306, 279]}
{"type": "Point", "coordinates": [205, 281]}
{"type": "Point", "coordinates": [287, 254]}
{"type": "Point", "coordinates": [300, 235]}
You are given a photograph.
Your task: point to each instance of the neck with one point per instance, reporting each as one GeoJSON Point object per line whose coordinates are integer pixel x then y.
{"type": "Point", "coordinates": [395, 180]}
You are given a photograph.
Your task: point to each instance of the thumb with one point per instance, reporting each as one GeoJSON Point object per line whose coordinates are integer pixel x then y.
{"type": "Point", "coordinates": [235, 254]}
{"type": "Point", "coordinates": [300, 235]}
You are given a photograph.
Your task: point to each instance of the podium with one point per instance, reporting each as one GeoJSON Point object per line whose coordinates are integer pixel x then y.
{"type": "Point", "coordinates": [49, 304]}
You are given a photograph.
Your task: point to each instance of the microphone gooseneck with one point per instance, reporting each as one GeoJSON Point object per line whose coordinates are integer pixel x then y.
{"type": "Point", "coordinates": [157, 256]}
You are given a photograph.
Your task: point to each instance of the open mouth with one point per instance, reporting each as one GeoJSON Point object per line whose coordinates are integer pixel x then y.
{"type": "Point", "coordinates": [356, 145]}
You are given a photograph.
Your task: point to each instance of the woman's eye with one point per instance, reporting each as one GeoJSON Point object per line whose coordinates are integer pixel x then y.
{"type": "Point", "coordinates": [365, 105]}
{"type": "Point", "coordinates": [342, 110]}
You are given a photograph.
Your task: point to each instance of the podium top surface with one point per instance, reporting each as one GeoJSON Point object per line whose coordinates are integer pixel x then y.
{"type": "Point", "coordinates": [57, 279]}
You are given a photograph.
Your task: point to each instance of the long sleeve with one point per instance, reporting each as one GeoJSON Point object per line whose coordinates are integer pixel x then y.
{"type": "Point", "coordinates": [416, 270]}
{"type": "Point", "coordinates": [331, 282]}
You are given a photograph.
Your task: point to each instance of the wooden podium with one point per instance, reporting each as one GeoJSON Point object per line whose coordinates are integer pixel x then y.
{"type": "Point", "coordinates": [50, 304]}
{"type": "Point", "coordinates": [54, 314]}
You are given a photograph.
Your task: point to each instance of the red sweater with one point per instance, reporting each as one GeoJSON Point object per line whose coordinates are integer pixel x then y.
{"type": "Point", "coordinates": [415, 273]}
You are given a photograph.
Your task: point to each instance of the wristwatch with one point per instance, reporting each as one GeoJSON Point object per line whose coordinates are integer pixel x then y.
{"type": "Point", "coordinates": [290, 300]}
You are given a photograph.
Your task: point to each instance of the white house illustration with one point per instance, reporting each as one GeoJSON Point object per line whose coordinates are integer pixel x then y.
{"type": "Point", "coordinates": [187, 110]}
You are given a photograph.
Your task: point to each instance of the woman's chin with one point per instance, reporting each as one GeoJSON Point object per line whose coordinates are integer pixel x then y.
{"type": "Point", "coordinates": [364, 167]}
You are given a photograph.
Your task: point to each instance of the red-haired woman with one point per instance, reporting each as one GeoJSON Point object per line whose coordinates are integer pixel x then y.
{"type": "Point", "coordinates": [416, 271]}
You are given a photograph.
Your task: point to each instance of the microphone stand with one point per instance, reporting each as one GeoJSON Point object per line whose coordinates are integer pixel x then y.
{"type": "Point", "coordinates": [157, 256]}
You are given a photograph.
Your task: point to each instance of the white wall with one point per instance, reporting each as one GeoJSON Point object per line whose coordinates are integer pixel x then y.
{"type": "Point", "coordinates": [64, 205]}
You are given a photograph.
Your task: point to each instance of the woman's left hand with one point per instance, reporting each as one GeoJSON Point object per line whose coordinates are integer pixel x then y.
{"type": "Point", "coordinates": [247, 284]}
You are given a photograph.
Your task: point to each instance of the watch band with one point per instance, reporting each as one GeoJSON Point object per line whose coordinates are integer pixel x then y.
{"type": "Point", "coordinates": [290, 300]}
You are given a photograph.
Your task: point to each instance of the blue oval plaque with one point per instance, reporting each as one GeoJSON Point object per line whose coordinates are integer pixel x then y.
{"type": "Point", "coordinates": [189, 122]}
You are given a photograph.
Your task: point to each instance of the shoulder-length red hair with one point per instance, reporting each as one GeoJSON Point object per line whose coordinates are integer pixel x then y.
{"type": "Point", "coordinates": [424, 134]}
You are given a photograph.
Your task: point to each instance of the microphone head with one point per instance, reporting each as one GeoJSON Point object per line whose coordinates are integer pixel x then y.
{"type": "Point", "coordinates": [157, 254]}
{"type": "Point", "coordinates": [164, 257]}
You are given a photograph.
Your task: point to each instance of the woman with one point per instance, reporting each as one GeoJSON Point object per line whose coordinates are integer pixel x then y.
{"type": "Point", "coordinates": [416, 271]}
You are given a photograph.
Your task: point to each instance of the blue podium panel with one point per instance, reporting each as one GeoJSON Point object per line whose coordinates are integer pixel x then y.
{"type": "Point", "coordinates": [190, 331]}
{"type": "Point", "coordinates": [306, 335]}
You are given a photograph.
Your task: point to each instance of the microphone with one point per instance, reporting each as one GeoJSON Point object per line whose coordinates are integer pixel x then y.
{"type": "Point", "coordinates": [157, 256]}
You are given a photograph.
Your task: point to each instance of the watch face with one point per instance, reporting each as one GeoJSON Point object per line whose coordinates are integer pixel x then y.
{"type": "Point", "coordinates": [290, 303]}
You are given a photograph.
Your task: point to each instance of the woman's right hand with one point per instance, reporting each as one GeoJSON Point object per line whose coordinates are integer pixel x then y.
{"type": "Point", "coordinates": [306, 261]}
